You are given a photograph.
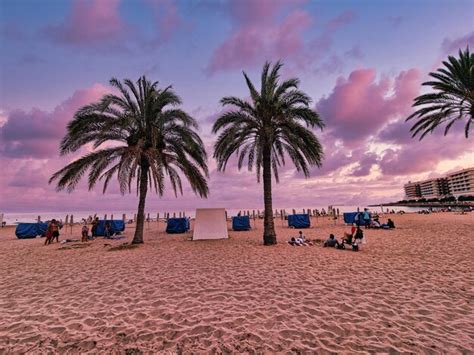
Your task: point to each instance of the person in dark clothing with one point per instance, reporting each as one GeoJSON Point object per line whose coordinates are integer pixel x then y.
{"type": "Point", "coordinates": [390, 223]}
{"type": "Point", "coordinates": [107, 231]}
{"type": "Point", "coordinates": [95, 224]}
{"type": "Point", "coordinates": [359, 235]}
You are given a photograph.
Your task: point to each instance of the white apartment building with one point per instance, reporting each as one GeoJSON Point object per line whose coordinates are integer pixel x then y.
{"type": "Point", "coordinates": [461, 183]}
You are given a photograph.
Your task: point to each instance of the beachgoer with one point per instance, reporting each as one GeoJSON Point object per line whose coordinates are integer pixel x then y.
{"type": "Point", "coordinates": [359, 235]}
{"type": "Point", "coordinates": [95, 224]}
{"type": "Point", "coordinates": [390, 223]}
{"type": "Point", "coordinates": [331, 242]}
{"type": "Point", "coordinates": [52, 232]}
{"type": "Point", "coordinates": [56, 227]}
{"type": "Point", "coordinates": [48, 234]}
{"type": "Point", "coordinates": [85, 233]}
{"type": "Point", "coordinates": [375, 224]}
{"type": "Point", "coordinates": [366, 217]}
{"type": "Point", "coordinates": [348, 238]}
{"type": "Point", "coordinates": [107, 230]}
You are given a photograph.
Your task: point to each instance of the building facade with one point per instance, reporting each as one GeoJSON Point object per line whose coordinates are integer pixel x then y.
{"type": "Point", "coordinates": [412, 190]}
{"type": "Point", "coordinates": [459, 183]}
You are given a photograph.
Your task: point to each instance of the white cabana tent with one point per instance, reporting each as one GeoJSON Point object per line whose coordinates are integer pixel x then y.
{"type": "Point", "coordinates": [210, 223]}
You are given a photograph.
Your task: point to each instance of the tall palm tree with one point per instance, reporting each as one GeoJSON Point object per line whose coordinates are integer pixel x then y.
{"type": "Point", "coordinates": [453, 99]}
{"type": "Point", "coordinates": [148, 138]}
{"type": "Point", "coordinates": [266, 130]}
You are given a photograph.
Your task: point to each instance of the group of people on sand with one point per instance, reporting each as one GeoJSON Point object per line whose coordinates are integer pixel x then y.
{"type": "Point", "coordinates": [95, 225]}
{"type": "Point", "coordinates": [355, 238]}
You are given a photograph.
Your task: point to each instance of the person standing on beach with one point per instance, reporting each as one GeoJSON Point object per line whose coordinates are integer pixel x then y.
{"type": "Point", "coordinates": [48, 234]}
{"type": "Point", "coordinates": [85, 233]}
{"type": "Point", "coordinates": [366, 216]}
{"type": "Point", "coordinates": [55, 230]}
{"type": "Point", "coordinates": [107, 230]}
{"type": "Point", "coordinates": [95, 224]}
{"type": "Point", "coordinates": [52, 232]}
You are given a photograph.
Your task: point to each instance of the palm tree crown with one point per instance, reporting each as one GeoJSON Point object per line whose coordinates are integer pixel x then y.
{"type": "Point", "coordinates": [269, 128]}
{"type": "Point", "coordinates": [150, 138]}
{"type": "Point", "coordinates": [453, 99]}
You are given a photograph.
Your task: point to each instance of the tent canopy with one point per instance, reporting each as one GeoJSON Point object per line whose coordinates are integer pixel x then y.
{"type": "Point", "coordinates": [177, 225]}
{"type": "Point", "coordinates": [30, 230]}
{"type": "Point", "coordinates": [241, 223]}
{"type": "Point", "coordinates": [116, 225]}
{"type": "Point", "coordinates": [299, 221]}
{"type": "Point", "coordinates": [210, 224]}
{"type": "Point", "coordinates": [354, 217]}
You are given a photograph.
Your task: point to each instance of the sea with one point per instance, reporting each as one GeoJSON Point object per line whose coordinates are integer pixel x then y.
{"type": "Point", "coordinates": [78, 216]}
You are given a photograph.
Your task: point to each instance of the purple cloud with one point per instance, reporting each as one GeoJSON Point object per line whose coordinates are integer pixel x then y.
{"type": "Point", "coordinates": [452, 46]}
{"type": "Point", "coordinates": [36, 134]}
{"type": "Point", "coordinates": [90, 22]}
{"type": "Point", "coordinates": [359, 105]}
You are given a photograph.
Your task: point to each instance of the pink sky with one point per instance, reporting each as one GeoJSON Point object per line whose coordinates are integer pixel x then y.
{"type": "Point", "coordinates": [361, 77]}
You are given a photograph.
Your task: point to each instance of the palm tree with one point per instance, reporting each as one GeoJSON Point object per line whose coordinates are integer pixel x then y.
{"type": "Point", "coordinates": [453, 99]}
{"type": "Point", "coordinates": [266, 130]}
{"type": "Point", "coordinates": [148, 138]}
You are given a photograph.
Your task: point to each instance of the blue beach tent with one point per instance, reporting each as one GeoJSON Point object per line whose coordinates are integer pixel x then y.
{"type": "Point", "coordinates": [30, 230]}
{"type": "Point", "coordinates": [116, 225]}
{"type": "Point", "coordinates": [299, 221]}
{"type": "Point", "coordinates": [241, 223]}
{"type": "Point", "coordinates": [354, 217]}
{"type": "Point", "coordinates": [177, 225]}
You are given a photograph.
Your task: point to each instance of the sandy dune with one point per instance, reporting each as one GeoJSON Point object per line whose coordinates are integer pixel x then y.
{"type": "Point", "coordinates": [407, 290]}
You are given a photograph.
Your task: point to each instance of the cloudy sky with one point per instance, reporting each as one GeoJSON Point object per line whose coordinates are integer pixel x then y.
{"type": "Point", "coordinates": [362, 63]}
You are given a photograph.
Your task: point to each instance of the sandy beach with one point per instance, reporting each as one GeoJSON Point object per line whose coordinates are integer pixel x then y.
{"type": "Point", "coordinates": [408, 290]}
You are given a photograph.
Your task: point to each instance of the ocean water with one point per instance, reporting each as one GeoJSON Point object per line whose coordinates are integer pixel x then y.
{"type": "Point", "coordinates": [31, 217]}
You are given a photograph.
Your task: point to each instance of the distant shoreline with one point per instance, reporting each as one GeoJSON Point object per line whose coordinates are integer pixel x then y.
{"type": "Point", "coordinates": [426, 204]}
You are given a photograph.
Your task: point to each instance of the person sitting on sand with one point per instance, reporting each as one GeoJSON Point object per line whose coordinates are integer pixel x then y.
{"type": "Point", "coordinates": [331, 242]}
{"type": "Point", "coordinates": [85, 233]}
{"type": "Point", "coordinates": [390, 223]}
{"type": "Point", "coordinates": [348, 237]}
{"type": "Point", "coordinates": [375, 224]}
{"type": "Point", "coordinates": [300, 240]}
{"type": "Point", "coordinates": [359, 235]}
{"type": "Point", "coordinates": [293, 242]}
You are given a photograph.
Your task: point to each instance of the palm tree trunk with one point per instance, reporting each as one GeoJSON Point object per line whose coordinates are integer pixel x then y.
{"type": "Point", "coordinates": [138, 237]}
{"type": "Point", "coordinates": [269, 235]}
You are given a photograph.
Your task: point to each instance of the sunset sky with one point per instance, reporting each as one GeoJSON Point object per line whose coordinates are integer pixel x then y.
{"type": "Point", "coordinates": [362, 62]}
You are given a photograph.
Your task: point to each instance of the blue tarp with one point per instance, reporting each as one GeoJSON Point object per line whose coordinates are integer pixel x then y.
{"type": "Point", "coordinates": [116, 225]}
{"type": "Point", "coordinates": [30, 230]}
{"type": "Point", "coordinates": [177, 225]}
{"type": "Point", "coordinates": [354, 217]}
{"type": "Point", "coordinates": [241, 223]}
{"type": "Point", "coordinates": [299, 221]}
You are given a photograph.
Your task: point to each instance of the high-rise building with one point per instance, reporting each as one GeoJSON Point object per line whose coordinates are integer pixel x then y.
{"type": "Point", "coordinates": [461, 183]}
{"type": "Point", "coordinates": [433, 188]}
{"type": "Point", "coordinates": [412, 190]}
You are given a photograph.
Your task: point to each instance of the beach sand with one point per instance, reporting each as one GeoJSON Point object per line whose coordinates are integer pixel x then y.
{"type": "Point", "coordinates": [408, 290]}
